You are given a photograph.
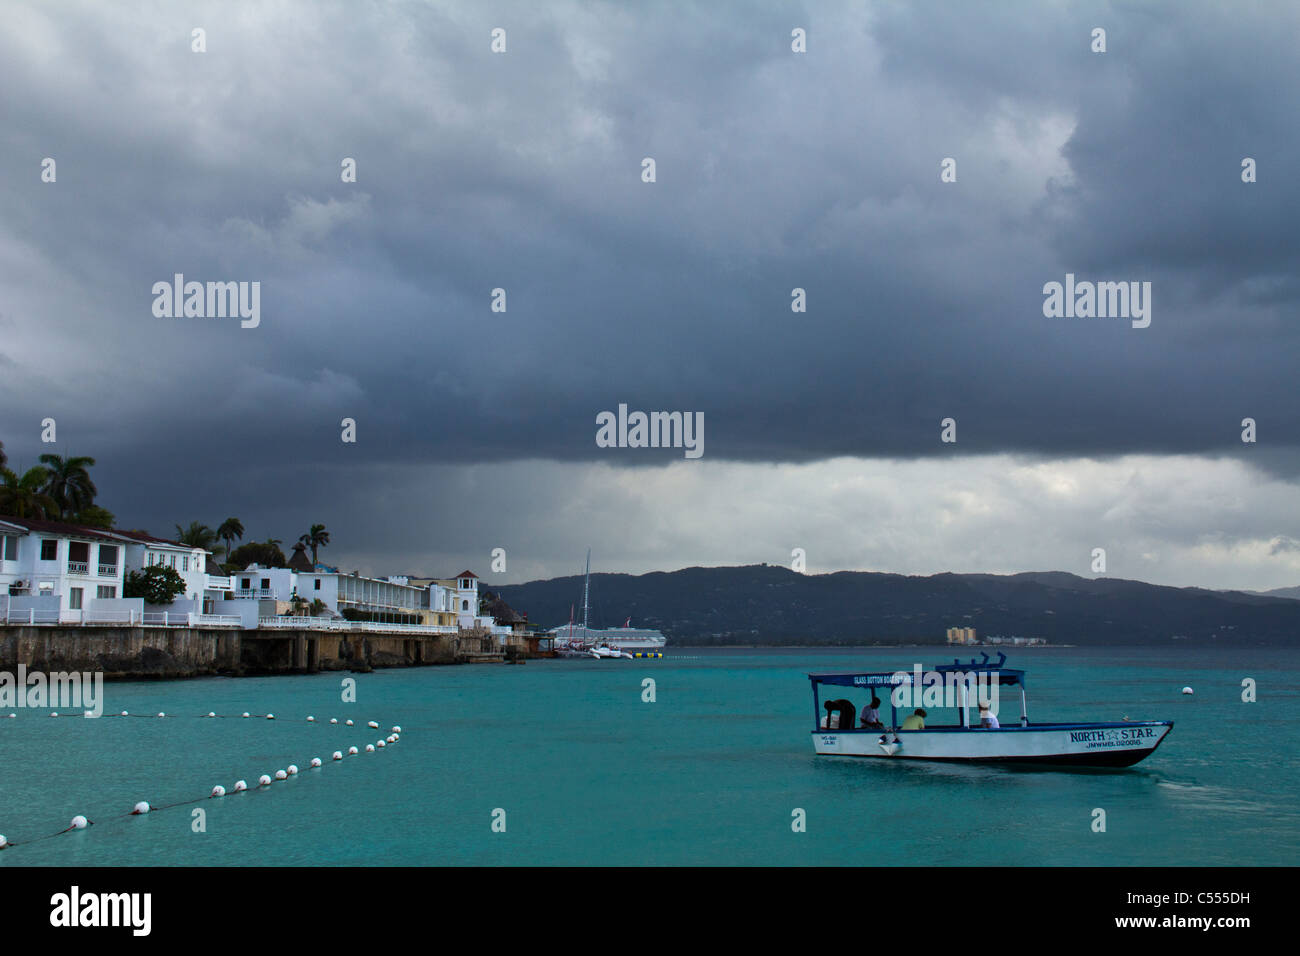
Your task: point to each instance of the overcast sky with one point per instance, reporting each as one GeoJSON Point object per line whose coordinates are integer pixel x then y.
{"type": "Point", "coordinates": [774, 170]}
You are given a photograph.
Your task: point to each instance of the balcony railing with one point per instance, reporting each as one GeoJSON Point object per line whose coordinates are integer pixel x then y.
{"type": "Point", "coordinates": [108, 570]}
{"type": "Point", "coordinates": [247, 593]}
{"type": "Point", "coordinates": [78, 567]}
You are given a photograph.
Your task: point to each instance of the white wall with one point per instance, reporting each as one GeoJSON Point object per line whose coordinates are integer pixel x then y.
{"type": "Point", "coordinates": [248, 611]}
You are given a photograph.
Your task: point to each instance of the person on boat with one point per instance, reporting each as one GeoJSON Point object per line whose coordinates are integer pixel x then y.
{"type": "Point", "coordinates": [916, 721]}
{"type": "Point", "coordinates": [987, 718]}
{"type": "Point", "coordinates": [871, 715]}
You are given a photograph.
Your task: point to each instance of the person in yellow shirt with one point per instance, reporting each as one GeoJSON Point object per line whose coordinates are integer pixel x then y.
{"type": "Point", "coordinates": [916, 721]}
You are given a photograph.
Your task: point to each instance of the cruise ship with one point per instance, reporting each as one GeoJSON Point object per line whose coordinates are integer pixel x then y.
{"type": "Point", "coordinates": [630, 639]}
{"type": "Point", "coordinates": [582, 640]}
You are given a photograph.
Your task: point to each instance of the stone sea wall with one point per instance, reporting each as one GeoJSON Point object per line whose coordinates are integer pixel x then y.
{"type": "Point", "coordinates": [122, 652]}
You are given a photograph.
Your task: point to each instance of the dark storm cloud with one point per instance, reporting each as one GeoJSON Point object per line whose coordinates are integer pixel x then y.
{"type": "Point", "coordinates": [521, 171]}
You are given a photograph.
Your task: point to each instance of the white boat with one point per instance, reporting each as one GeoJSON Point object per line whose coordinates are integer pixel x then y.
{"type": "Point", "coordinates": [623, 643]}
{"type": "Point", "coordinates": [1096, 744]}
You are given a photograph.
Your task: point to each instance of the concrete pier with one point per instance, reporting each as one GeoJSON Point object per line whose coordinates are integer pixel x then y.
{"type": "Point", "coordinates": [122, 652]}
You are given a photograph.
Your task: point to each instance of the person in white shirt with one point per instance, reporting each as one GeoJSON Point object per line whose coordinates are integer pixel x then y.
{"type": "Point", "coordinates": [871, 715]}
{"type": "Point", "coordinates": [987, 719]}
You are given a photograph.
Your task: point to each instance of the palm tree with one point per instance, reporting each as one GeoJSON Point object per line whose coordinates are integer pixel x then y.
{"type": "Point", "coordinates": [197, 535]}
{"type": "Point", "coordinates": [68, 482]}
{"type": "Point", "coordinates": [317, 537]}
{"type": "Point", "coordinates": [231, 529]}
{"type": "Point", "coordinates": [26, 497]}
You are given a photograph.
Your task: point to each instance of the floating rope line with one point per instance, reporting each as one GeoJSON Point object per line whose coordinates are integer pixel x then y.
{"type": "Point", "coordinates": [80, 822]}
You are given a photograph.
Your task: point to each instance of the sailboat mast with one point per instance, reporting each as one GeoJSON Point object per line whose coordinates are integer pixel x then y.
{"type": "Point", "coordinates": [586, 581]}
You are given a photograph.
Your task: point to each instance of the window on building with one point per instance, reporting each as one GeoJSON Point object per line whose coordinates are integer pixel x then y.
{"type": "Point", "coordinates": [185, 562]}
{"type": "Point", "coordinates": [106, 591]}
{"type": "Point", "coordinates": [464, 605]}
{"type": "Point", "coordinates": [74, 598]}
{"type": "Point", "coordinates": [316, 585]}
{"type": "Point", "coordinates": [266, 583]}
{"type": "Point", "coordinates": [49, 549]}
{"type": "Point", "coordinates": [11, 547]}
{"type": "Point", "coordinates": [173, 561]}
{"type": "Point", "coordinates": [108, 555]}
{"type": "Point", "coordinates": [245, 583]}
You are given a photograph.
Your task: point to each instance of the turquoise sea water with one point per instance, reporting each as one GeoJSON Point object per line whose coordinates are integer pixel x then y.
{"type": "Point", "coordinates": [588, 773]}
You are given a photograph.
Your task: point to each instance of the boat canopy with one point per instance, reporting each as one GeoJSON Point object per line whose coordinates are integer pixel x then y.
{"type": "Point", "coordinates": [1005, 675]}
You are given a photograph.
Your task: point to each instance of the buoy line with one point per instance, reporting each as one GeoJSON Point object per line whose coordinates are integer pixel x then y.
{"type": "Point", "coordinates": [142, 807]}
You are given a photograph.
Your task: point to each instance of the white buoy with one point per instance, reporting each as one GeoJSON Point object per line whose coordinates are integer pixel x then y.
{"type": "Point", "coordinates": [55, 714]}
{"type": "Point", "coordinates": [212, 713]}
{"type": "Point", "coordinates": [292, 768]}
{"type": "Point", "coordinates": [396, 729]}
{"type": "Point", "coordinates": [334, 720]}
{"type": "Point", "coordinates": [338, 755]}
{"type": "Point", "coordinates": [374, 724]}
{"type": "Point", "coordinates": [281, 775]}
{"type": "Point", "coordinates": [1187, 690]}
{"type": "Point", "coordinates": [140, 808]}
{"type": "Point", "coordinates": [245, 714]}
{"type": "Point", "coordinates": [3, 842]}
{"type": "Point", "coordinates": [352, 751]}
{"type": "Point", "coordinates": [270, 716]}
{"type": "Point", "coordinates": [390, 738]}
{"type": "Point", "coordinates": [124, 714]}
{"type": "Point", "coordinates": [13, 715]}
{"type": "Point", "coordinates": [310, 719]}
{"type": "Point", "coordinates": [218, 791]}
{"type": "Point", "coordinates": [380, 744]}
{"type": "Point", "coordinates": [240, 785]}
{"type": "Point", "coordinates": [79, 823]}
{"type": "Point", "coordinates": [264, 780]}
{"type": "Point", "coordinates": [370, 748]}
{"type": "Point", "coordinates": [349, 721]}
{"type": "Point", "coordinates": [315, 761]}
{"type": "Point", "coordinates": [161, 714]}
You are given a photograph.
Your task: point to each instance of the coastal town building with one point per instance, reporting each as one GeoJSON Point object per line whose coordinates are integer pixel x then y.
{"type": "Point", "coordinates": [961, 635]}
{"type": "Point", "coordinates": [58, 573]}
{"type": "Point", "coordinates": [65, 573]}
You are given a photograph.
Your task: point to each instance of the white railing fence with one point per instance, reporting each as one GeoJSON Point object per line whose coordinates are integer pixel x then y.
{"type": "Point", "coordinates": [54, 616]}
{"type": "Point", "coordinates": [335, 624]}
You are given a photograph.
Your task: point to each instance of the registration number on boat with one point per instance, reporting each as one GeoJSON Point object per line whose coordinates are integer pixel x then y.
{"type": "Point", "coordinates": [1110, 737]}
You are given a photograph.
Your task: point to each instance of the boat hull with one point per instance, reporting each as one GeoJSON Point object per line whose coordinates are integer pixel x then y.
{"type": "Point", "coordinates": [1087, 745]}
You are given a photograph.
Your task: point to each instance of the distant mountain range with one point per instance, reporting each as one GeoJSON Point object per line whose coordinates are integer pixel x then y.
{"type": "Point", "coordinates": [762, 604]}
{"type": "Point", "coordinates": [1293, 593]}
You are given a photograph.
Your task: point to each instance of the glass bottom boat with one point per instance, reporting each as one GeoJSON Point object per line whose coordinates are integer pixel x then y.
{"type": "Point", "coordinates": [838, 730]}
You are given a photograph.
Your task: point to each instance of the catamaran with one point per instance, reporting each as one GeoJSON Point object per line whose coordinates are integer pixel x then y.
{"type": "Point", "coordinates": [967, 686]}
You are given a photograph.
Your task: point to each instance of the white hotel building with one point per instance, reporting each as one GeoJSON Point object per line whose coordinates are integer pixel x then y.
{"type": "Point", "coordinates": [56, 573]}
{"type": "Point", "coordinates": [51, 572]}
